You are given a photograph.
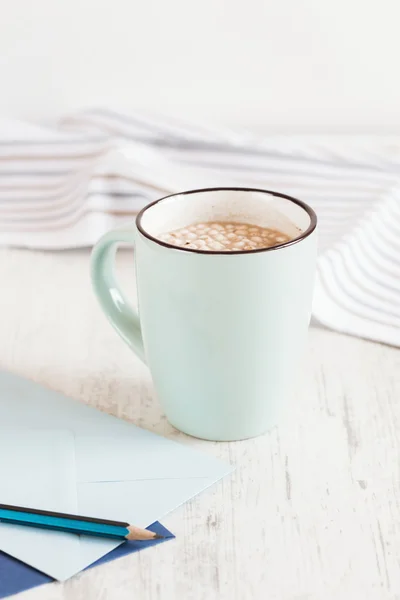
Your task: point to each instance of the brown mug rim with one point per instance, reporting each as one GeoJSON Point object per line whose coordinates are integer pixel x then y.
{"type": "Point", "coordinates": [311, 213]}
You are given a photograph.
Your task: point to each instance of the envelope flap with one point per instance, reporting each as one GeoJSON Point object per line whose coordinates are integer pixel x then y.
{"type": "Point", "coordinates": [141, 455]}
{"type": "Point", "coordinates": [138, 501]}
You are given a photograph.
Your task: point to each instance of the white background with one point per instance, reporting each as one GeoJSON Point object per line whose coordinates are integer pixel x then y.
{"type": "Point", "coordinates": [291, 65]}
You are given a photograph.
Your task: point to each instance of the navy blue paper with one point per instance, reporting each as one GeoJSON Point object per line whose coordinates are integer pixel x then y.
{"type": "Point", "coordinates": [16, 576]}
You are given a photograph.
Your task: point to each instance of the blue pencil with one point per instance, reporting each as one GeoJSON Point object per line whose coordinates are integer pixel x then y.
{"type": "Point", "coordinates": [44, 519]}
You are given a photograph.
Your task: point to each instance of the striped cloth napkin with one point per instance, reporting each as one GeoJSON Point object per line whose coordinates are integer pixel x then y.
{"type": "Point", "coordinates": [63, 187]}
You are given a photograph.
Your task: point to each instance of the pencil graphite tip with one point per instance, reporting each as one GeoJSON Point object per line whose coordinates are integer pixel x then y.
{"type": "Point", "coordinates": [134, 533]}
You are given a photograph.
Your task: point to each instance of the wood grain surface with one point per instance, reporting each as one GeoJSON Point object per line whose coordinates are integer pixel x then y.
{"type": "Point", "coordinates": [313, 508]}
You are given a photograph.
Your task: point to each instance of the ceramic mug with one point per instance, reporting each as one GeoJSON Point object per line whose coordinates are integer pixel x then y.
{"type": "Point", "coordinates": [222, 332]}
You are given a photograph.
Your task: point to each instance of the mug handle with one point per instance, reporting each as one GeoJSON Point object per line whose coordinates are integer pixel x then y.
{"type": "Point", "coordinates": [111, 298]}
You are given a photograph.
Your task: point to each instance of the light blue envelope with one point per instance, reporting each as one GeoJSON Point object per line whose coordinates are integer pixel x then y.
{"type": "Point", "coordinates": [58, 454]}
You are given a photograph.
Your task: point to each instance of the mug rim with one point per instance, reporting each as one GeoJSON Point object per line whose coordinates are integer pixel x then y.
{"type": "Point", "coordinates": [311, 213]}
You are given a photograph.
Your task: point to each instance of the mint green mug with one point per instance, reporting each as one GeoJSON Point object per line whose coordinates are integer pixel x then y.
{"type": "Point", "coordinates": [221, 332]}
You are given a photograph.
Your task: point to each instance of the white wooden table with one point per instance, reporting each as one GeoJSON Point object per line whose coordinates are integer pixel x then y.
{"type": "Point", "coordinates": [313, 508]}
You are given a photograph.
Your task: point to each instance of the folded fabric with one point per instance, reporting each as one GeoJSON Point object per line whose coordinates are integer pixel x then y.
{"type": "Point", "coordinates": [17, 577]}
{"type": "Point", "coordinates": [63, 187]}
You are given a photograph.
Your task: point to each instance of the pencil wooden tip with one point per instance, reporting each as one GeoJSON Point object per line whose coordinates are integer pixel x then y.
{"type": "Point", "coordinates": [135, 533]}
